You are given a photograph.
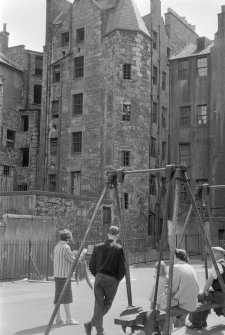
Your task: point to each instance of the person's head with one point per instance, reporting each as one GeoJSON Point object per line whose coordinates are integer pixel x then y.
{"type": "Point", "coordinates": [163, 270]}
{"type": "Point", "coordinates": [113, 233]}
{"type": "Point", "coordinates": [181, 255]}
{"type": "Point", "coordinates": [65, 235]}
{"type": "Point", "coordinates": [218, 252]}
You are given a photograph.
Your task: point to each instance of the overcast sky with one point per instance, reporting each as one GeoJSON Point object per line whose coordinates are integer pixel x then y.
{"type": "Point", "coordinates": [26, 18]}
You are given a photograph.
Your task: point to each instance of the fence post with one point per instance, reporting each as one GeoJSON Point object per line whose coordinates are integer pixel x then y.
{"type": "Point", "coordinates": [47, 267]}
{"type": "Point", "coordinates": [29, 259]}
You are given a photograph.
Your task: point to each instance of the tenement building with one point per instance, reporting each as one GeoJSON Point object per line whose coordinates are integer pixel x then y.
{"type": "Point", "coordinates": [20, 105]}
{"type": "Point", "coordinates": [105, 102]}
{"type": "Point", "coordinates": [197, 124]}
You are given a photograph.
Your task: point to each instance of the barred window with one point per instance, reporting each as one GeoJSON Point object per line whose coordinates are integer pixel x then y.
{"type": "Point", "coordinates": [127, 71]}
{"type": "Point", "coordinates": [126, 112]}
{"type": "Point", "coordinates": [6, 170]}
{"type": "Point", "coordinates": [125, 158]}
{"type": "Point", "coordinates": [202, 70]}
{"type": "Point", "coordinates": [126, 200]}
{"type": "Point", "coordinates": [77, 142]}
{"type": "Point", "coordinates": [79, 67]}
{"type": "Point", "coordinates": [185, 153]}
{"type": "Point", "coordinates": [78, 104]}
{"type": "Point", "coordinates": [183, 69]}
{"type": "Point", "coordinates": [185, 116]}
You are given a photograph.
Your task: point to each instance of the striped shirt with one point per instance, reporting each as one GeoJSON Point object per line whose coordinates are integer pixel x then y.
{"type": "Point", "coordinates": [63, 259]}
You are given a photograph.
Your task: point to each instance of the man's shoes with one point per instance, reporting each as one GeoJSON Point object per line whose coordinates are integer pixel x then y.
{"type": "Point", "coordinates": [193, 326]}
{"type": "Point", "coordinates": [88, 327]}
{"type": "Point", "coordinates": [60, 321]}
{"type": "Point", "coordinates": [72, 322]}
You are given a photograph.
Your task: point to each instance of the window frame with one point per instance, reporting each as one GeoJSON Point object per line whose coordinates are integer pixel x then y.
{"type": "Point", "coordinates": [127, 71]}
{"type": "Point", "coordinates": [182, 154]}
{"type": "Point", "coordinates": [155, 75]}
{"type": "Point", "coordinates": [56, 73]}
{"type": "Point", "coordinates": [154, 112]}
{"type": "Point", "coordinates": [78, 67]}
{"type": "Point", "coordinates": [65, 39]}
{"type": "Point", "coordinates": [202, 115]}
{"type": "Point", "coordinates": [78, 179]}
{"type": "Point", "coordinates": [38, 70]}
{"type": "Point", "coordinates": [183, 69]}
{"type": "Point", "coordinates": [78, 105]}
{"type": "Point", "coordinates": [125, 157]}
{"type": "Point", "coordinates": [77, 142]}
{"type": "Point", "coordinates": [80, 32]}
{"type": "Point", "coordinates": [202, 68]}
{"type": "Point", "coordinates": [126, 113]}
{"type": "Point", "coordinates": [185, 116]}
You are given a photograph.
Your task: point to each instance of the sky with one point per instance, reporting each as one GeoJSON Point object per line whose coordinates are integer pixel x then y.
{"type": "Point", "coordinates": [25, 19]}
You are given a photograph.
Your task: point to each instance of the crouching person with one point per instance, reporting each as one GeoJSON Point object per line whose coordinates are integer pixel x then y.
{"type": "Point", "coordinates": [199, 319]}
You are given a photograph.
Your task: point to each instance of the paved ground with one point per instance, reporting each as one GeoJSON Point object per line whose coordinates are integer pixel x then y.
{"type": "Point", "coordinates": [26, 307]}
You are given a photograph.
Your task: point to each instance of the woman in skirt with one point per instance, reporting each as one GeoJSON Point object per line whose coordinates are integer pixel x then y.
{"type": "Point", "coordinates": [63, 260]}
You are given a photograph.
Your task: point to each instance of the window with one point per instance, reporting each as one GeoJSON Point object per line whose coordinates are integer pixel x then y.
{"type": "Point", "coordinates": [126, 200]}
{"type": "Point", "coordinates": [24, 123]}
{"type": "Point", "coordinates": [202, 70]}
{"type": "Point", "coordinates": [127, 71]}
{"type": "Point", "coordinates": [154, 39]}
{"type": "Point", "coordinates": [56, 73]}
{"type": "Point", "coordinates": [221, 234]}
{"type": "Point", "coordinates": [185, 153]}
{"type": "Point", "coordinates": [183, 70]}
{"type": "Point", "coordinates": [107, 216]}
{"type": "Point", "coordinates": [78, 67]}
{"type": "Point", "coordinates": [77, 104]}
{"type": "Point", "coordinates": [37, 94]}
{"type": "Point", "coordinates": [55, 108]}
{"type": "Point", "coordinates": [153, 146]}
{"type": "Point", "coordinates": [125, 158]}
{"type": "Point", "coordinates": [65, 39]}
{"type": "Point", "coordinates": [126, 112]}
{"type": "Point", "coordinates": [201, 114]}
{"type": "Point", "coordinates": [38, 65]}
{"type": "Point", "coordinates": [52, 182]}
{"type": "Point", "coordinates": [77, 142]}
{"type": "Point", "coordinates": [22, 187]}
{"type": "Point", "coordinates": [80, 35]}
{"type": "Point", "coordinates": [53, 146]}
{"type": "Point", "coordinates": [10, 140]}
{"type": "Point", "coordinates": [151, 224]}
{"type": "Point", "coordinates": [164, 114]}
{"type": "Point", "coordinates": [154, 112]}
{"type": "Point", "coordinates": [76, 182]}
{"type": "Point", "coordinates": [163, 151]}
{"type": "Point", "coordinates": [6, 170]}
{"type": "Point", "coordinates": [185, 116]}
{"type": "Point", "coordinates": [152, 182]}
{"type": "Point", "coordinates": [25, 157]}
{"type": "Point", "coordinates": [155, 75]}
{"type": "Point", "coordinates": [164, 81]}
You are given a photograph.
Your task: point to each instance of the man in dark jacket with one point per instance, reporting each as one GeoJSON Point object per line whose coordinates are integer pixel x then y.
{"type": "Point", "coordinates": [107, 264]}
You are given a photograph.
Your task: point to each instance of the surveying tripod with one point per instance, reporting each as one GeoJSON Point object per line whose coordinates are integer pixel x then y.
{"type": "Point", "coordinates": [132, 316]}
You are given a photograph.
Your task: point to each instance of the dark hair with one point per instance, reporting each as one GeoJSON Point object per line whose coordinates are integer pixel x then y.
{"type": "Point", "coordinates": [182, 255]}
{"type": "Point", "coordinates": [114, 230]}
{"type": "Point", "coordinates": [65, 235]}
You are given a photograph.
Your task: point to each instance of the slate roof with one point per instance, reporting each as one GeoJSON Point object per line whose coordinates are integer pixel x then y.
{"type": "Point", "coordinates": [124, 15]}
{"type": "Point", "coordinates": [6, 61]}
{"type": "Point", "coordinates": [191, 51]}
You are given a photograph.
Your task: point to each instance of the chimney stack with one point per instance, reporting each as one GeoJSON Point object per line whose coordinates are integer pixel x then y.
{"type": "Point", "coordinates": [4, 39]}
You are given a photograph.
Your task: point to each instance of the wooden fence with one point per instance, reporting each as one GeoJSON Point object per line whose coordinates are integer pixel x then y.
{"type": "Point", "coordinates": [34, 259]}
